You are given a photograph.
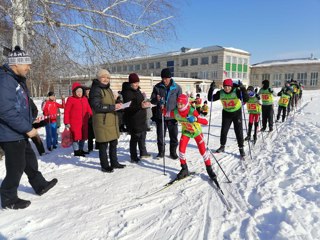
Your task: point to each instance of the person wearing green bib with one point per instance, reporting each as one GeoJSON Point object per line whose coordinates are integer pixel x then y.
{"type": "Point", "coordinates": [285, 95]}
{"type": "Point", "coordinates": [266, 94]}
{"type": "Point", "coordinates": [230, 96]}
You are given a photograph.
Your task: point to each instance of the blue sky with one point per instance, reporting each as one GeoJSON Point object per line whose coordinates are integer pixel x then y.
{"type": "Point", "coordinates": [268, 29]}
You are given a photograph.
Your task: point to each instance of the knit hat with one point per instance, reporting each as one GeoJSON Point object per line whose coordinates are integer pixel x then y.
{"type": "Point", "coordinates": [50, 94]}
{"type": "Point", "coordinates": [18, 56]}
{"type": "Point", "coordinates": [165, 73]}
{"type": "Point", "coordinates": [103, 72]}
{"type": "Point", "coordinates": [133, 78]}
{"type": "Point", "coordinates": [265, 84]}
{"type": "Point", "coordinates": [228, 82]}
{"type": "Point", "coordinates": [183, 99]}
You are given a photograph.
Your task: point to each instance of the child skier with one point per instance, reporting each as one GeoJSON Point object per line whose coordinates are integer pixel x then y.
{"type": "Point", "coordinates": [285, 95]}
{"type": "Point", "coordinates": [205, 108]}
{"type": "Point", "coordinates": [230, 97]}
{"type": "Point", "coordinates": [254, 110]}
{"type": "Point", "coordinates": [266, 94]}
{"type": "Point", "coordinates": [191, 128]}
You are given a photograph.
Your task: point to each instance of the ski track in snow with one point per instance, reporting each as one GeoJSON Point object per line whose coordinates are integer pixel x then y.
{"type": "Point", "coordinates": [276, 196]}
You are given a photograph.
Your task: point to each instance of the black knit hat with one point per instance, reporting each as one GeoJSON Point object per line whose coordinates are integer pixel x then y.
{"type": "Point", "coordinates": [18, 56]}
{"type": "Point", "coordinates": [165, 73]}
{"type": "Point", "coordinates": [50, 94]}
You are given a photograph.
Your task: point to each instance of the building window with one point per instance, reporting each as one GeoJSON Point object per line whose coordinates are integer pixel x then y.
{"type": "Point", "coordinates": [130, 68]}
{"type": "Point", "coordinates": [194, 61]}
{"type": "Point", "coordinates": [184, 62]}
{"type": "Point", "coordinates": [314, 79]}
{"type": "Point", "coordinates": [194, 75]}
{"type": "Point", "coordinates": [288, 76]}
{"type": "Point", "coordinates": [265, 76]}
{"type": "Point", "coordinates": [204, 60]}
{"type": "Point", "coordinates": [124, 68]}
{"type": "Point", "coordinates": [302, 78]}
{"type": "Point", "coordinates": [184, 74]}
{"type": "Point", "coordinates": [204, 75]}
{"type": "Point", "coordinates": [158, 65]}
{"type": "Point", "coordinates": [151, 65]}
{"type": "Point", "coordinates": [214, 59]}
{"type": "Point", "coordinates": [114, 69]}
{"type": "Point", "coordinates": [119, 68]}
{"type": "Point", "coordinates": [170, 65]}
{"type": "Point", "coordinates": [228, 59]}
{"type": "Point", "coordinates": [144, 66]}
{"type": "Point", "coordinates": [137, 67]}
{"type": "Point", "coordinates": [214, 75]}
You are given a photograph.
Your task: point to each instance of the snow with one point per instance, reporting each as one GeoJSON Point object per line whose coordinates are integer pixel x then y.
{"type": "Point", "coordinates": [276, 196]}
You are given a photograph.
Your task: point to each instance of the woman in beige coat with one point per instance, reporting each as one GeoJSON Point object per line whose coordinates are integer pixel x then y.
{"type": "Point", "coordinates": [105, 120]}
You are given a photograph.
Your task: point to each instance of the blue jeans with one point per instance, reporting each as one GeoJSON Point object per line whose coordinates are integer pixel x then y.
{"type": "Point", "coordinates": [78, 145]}
{"type": "Point", "coordinates": [51, 135]}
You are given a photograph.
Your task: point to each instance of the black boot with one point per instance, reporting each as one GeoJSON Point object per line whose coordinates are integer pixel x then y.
{"type": "Point", "coordinates": [107, 169]}
{"type": "Point", "coordinates": [78, 153]}
{"type": "Point", "coordinates": [16, 204]}
{"type": "Point", "coordinates": [84, 152]}
{"type": "Point", "coordinates": [47, 187]}
{"type": "Point", "coordinates": [117, 165]}
{"type": "Point", "coordinates": [242, 153]}
{"type": "Point", "coordinates": [173, 152]}
{"type": "Point", "coordinates": [210, 172]}
{"type": "Point", "coordinates": [184, 172]}
{"type": "Point", "coordinates": [220, 149]}
{"type": "Point", "coordinates": [248, 137]}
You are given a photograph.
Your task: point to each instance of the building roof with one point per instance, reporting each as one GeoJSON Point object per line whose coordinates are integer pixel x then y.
{"type": "Point", "coordinates": [185, 50]}
{"type": "Point", "coordinates": [292, 61]}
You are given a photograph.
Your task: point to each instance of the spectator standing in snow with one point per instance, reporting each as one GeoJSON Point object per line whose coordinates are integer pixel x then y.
{"type": "Point", "coordinates": [105, 120]}
{"type": "Point", "coordinates": [230, 97]}
{"type": "Point", "coordinates": [165, 93]}
{"type": "Point", "coordinates": [50, 111]}
{"type": "Point", "coordinates": [15, 128]}
{"type": "Point", "coordinates": [135, 117]}
{"type": "Point", "coordinates": [76, 117]}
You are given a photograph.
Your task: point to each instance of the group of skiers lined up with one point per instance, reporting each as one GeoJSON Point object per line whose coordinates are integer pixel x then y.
{"type": "Point", "coordinates": [169, 106]}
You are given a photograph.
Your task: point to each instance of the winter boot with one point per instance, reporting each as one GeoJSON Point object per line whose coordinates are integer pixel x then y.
{"type": "Point", "coordinates": [16, 204]}
{"type": "Point", "coordinates": [78, 153]}
{"type": "Point", "coordinates": [47, 187]}
{"type": "Point", "coordinates": [160, 155]}
{"type": "Point", "coordinates": [84, 152]}
{"type": "Point", "coordinates": [184, 172]}
{"type": "Point", "coordinates": [220, 149]}
{"type": "Point", "coordinates": [248, 137]}
{"type": "Point", "coordinates": [173, 153]}
{"type": "Point", "coordinates": [270, 129]}
{"type": "Point", "coordinates": [117, 165]}
{"type": "Point", "coordinates": [242, 153]}
{"type": "Point", "coordinates": [210, 172]}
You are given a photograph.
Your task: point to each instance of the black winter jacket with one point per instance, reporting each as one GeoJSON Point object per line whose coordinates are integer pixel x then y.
{"type": "Point", "coordinates": [135, 116]}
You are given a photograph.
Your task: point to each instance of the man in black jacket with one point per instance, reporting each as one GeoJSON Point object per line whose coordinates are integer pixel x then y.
{"type": "Point", "coordinates": [165, 94]}
{"type": "Point", "coordinates": [16, 127]}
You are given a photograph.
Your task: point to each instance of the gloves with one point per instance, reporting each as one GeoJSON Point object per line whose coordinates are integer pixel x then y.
{"type": "Point", "coordinates": [213, 85]}
{"type": "Point", "coordinates": [192, 119]}
{"type": "Point", "coordinates": [67, 126]}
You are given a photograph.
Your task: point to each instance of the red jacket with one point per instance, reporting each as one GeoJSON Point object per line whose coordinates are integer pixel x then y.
{"type": "Point", "coordinates": [50, 110]}
{"type": "Point", "coordinates": [77, 113]}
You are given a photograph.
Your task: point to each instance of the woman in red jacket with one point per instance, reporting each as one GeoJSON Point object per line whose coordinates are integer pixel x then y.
{"type": "Point", "coordinates": [76, 116]}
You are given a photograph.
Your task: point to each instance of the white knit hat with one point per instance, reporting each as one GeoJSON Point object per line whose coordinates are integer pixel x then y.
{"type": "Point", "coordinates": [18, 56]}
{"type": "Point", "coordinates": [103, 72]}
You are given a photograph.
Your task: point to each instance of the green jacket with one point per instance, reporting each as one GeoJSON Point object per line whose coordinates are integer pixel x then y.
{"type": "Point", "coordinates": [105, 119]}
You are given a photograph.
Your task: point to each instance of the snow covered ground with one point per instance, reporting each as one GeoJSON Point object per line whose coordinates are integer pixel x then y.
{"type": "Point", "coordinates": [277, 195]}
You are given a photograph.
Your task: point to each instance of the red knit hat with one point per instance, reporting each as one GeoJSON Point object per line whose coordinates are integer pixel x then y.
{"type": "Point", "coordinates": [228, 82]}
{"type": "Point", "coordinates": [133, 78]}
{"type": "Point", "coordinates": [182, 99]}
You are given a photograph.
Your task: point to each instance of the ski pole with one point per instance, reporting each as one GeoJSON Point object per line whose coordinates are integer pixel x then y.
{"type": "Point", "coordinates": [164, 144]}
{"type": "Point", "coordinates": [245, 122]}
{"type": "Point", "coordinates": [210, 119]}
{"type": "Point", "coordinates": [260, 129]}
{"type": "Point", "coordinates": [274, 116]}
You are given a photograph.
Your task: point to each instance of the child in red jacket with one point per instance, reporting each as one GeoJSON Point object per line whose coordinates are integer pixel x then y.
{"type": "Point", "coordinates": [190, 121]}
{"type": "Point", "coordinates": [76, 117]}
{"type": "Point", "coordinates": [50, 111]}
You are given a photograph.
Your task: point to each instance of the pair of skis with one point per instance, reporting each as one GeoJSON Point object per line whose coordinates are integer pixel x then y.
{"type": "Point", "coordinates": [214, 183]}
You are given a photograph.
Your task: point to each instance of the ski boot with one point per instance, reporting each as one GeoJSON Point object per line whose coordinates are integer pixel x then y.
{"type": "Point", "coordinates": [184, 172]}
{"type": "Point", "coordinates": [247, 138]}
{"type": "Point", "coordinates": [220, 149]}
{"type": "Point", "coordinates": [242, 153]}
{"type": "Point", "coordinates": [210, 172]}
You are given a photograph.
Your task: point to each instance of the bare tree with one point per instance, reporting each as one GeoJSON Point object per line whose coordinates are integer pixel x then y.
{"type": "Point", "coordinates": [91, 31]}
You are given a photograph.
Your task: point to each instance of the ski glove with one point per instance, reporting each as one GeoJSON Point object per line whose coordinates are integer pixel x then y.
{"type": "Point", "coordinates": [192, 119]}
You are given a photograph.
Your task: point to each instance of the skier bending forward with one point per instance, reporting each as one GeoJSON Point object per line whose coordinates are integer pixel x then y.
{"type": "Point", "coordinates": [191, 128]}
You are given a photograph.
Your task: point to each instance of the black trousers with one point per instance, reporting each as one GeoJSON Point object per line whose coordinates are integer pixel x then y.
{"type": "Point", "coordinates": [103, 146]}
{"type": "Point", "coordinates": [267, 116]}
{"type": "Point", "coordinates": [284, 113]}
{"type": "Point", "coordinates": [90, 135]}
{"type": "Point", "coordinates": [172, 126]}
{"type": "Point", "coordinates": [19, 158]}
{"type": "Point", "coordinates": [227, 119]}
{"type": "Point", "coordinates": [140, 140]}
{"type": "Point", "coordinates": [38, 143]}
